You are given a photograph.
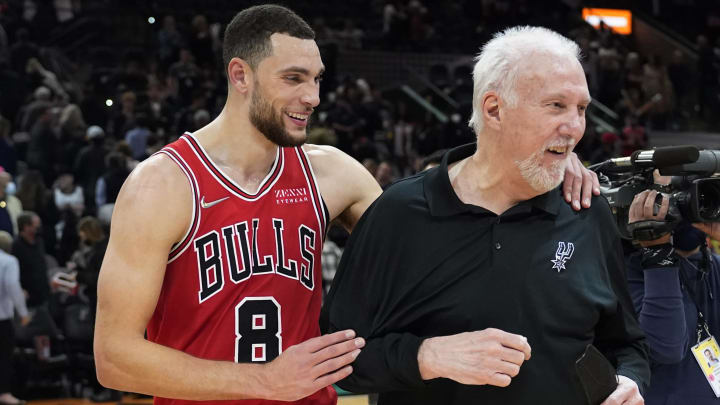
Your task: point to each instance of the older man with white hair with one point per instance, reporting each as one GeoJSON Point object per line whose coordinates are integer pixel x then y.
{"type": "Point", "coordinates": [493, 288]}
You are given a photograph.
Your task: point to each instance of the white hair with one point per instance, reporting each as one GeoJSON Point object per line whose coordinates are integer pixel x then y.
{"type": "Point", "coordinates": [498, 64]}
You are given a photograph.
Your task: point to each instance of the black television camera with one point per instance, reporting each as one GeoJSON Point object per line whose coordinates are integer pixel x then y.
{"type": "Point", "coordinates": [694, 192]}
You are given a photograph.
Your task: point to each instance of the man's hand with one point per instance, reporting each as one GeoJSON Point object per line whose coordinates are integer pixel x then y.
{"type": "Point", "coordinates": [305, 368]}
{"type": "Point", "coordinates": [626, 393]}
{"type": "Point", "coordinates": [579, 183]}
{"type": "Point", "coordinates": [489, 356]}
{"type": "Point", "coordinates": [643, 208]}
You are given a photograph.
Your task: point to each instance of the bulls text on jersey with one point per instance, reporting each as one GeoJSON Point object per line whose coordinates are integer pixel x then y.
{"type": "Point", "coordinates": [213, 246]}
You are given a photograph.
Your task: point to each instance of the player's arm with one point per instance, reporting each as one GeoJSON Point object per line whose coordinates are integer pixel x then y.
{"type": "Point", "coordinates": [346, 186]}
{"type": "Point", "coordinates": [151, 214]}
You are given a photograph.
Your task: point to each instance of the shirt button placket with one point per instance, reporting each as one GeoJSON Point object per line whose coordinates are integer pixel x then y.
{"type": "Point", "coordinates": [498, 245]}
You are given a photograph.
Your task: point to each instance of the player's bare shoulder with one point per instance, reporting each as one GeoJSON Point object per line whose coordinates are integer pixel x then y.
{"type": "Point", "coordinates": [158, 191]}
{"type": "Point", "coordinates": [344, 183]}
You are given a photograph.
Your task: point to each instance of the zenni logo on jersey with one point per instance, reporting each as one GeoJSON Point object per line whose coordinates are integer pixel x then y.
{"type": "Point", "coordinates": [564, 253]}
{"type": "Point", "coordinates": [291, 195]}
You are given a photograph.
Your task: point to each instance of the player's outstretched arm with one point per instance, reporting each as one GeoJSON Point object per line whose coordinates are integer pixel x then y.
{"type": "Point", "coordinates": [346, 186]}
{"type": "Point", "coordinates": [151, 214]}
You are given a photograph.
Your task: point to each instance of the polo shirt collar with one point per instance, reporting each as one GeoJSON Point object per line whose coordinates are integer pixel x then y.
{"type": "Point", "coordinates": [444, 202]}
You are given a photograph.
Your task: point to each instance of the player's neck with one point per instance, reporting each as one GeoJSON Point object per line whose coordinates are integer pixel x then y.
{"type": "Point", "coordinates": [233, 143]}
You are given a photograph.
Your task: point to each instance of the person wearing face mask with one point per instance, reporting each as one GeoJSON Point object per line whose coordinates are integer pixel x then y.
{"type": "Point", "coordinates": [672, 280]}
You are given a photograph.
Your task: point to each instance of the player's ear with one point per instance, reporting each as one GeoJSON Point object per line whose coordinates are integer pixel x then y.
{"type": "Point", "coordinates": [240, 75]}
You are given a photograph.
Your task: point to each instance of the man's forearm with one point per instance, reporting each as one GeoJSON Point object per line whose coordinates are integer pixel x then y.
{"type": "Point", "coordinates": [149, 368]}
{"type": "Point", "coordinates": [386, 363]}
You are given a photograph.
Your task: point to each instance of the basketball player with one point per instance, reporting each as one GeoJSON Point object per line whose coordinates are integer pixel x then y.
{"type": "Point", "coordinates": [216, 240]}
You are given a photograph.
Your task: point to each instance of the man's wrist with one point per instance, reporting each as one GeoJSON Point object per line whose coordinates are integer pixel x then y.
{"type": "Point", "coordinates": [658, 256]}
{"type": "Point", "coordinates": [256, 382]}
{"type": "Point", "coordinates": [427, 359]}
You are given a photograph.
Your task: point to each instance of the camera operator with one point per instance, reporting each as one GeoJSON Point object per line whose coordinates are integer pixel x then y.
{"type": "Point", "coordinates": [670, 279]}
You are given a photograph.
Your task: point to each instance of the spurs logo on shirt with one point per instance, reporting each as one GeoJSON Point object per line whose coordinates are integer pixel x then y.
{"type": "Point", "coordinates": [243, 283]}
{"type": "Point", "coordinates": [564, 253]}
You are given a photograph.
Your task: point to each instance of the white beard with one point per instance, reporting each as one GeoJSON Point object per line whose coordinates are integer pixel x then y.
{"type": "Point", "coordinates": [539, 178]}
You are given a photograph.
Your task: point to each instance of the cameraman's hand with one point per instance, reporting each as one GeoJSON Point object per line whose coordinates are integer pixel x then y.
{"type": "Point", "coordinates": [712, 229]}
{"type": "Point", "coordinates": [643, 208]}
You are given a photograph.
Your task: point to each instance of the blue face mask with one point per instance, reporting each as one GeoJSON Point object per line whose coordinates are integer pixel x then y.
{"type": "Point", "coordinates": [10, 189]}
{"type": "Point", "coordinates": [686, 237]}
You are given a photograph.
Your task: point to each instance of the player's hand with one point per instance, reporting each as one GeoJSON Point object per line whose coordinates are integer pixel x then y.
{"type": "Point", "coordinates": [579, 184]}
{"type": "Point", "coordinates": [489, 356]}
{"type": "Point", "coordinates": [626, 393]}
{"type": "Point", "coordinates": [305, 368]}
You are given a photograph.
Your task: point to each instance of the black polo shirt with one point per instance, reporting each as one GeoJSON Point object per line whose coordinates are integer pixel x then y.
{"type": "Point", "coordinates": [421, 263]}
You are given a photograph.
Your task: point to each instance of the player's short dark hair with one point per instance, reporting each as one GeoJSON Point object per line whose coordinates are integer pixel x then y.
{"type": "Point", "coordinates": [248, 35]}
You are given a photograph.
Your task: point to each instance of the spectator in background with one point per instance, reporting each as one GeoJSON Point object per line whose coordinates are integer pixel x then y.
{"type": "Point", "coordinates": [43, 143]}
{"type": "Point", "coordinates": [124, 119]}
{"type": "Point", "coordinates": [28, 248]}
{"type": "Point", "coordinates": [680, 76]}
{"type": "Point", "coordinates": [35, 197]}
{"type": "Point", "coordinates": [158, 108]}
{"type": "Point", "coordinates": [29, 114]}
{"type": "Point", "coordinates": [90, 163]}
{"type": "Point", "coordinates": [39, 75]}
{"type": "Point", "coordinates": [87, 258]}
{"type": "Point", "coordinates": [184, 73]}
{"type": "Point", "coordinates": [22, 50]}
{"type": "Point", "coordinates": [10, 206]}
{"type": "Point", "coordinates": [169, 42]}
{"type": "Point", "coordinates": [8, 156]}
{"type": "Point", "coordinates": [656, 86]}
{"type": "Point", "coordinates": [109, 184]}
{"type": "Point", "coordinates": [385, 174]}
{"type": "Point", "coordinates": [12, 301]}
{"type": "Point", "coordinates": [68, 195]}
{"type": "Point", "coordinates": [136, 138]}
{"type": "Point", "coordinates": [201, 41]}
{"type": "Point", "coordinates": [124, 149]}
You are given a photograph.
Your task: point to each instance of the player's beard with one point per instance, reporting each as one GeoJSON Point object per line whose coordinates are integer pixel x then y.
{"type": "Point", "coordinates": [269, 122]}
{"type": "Point", "coordinates": [542, 179]}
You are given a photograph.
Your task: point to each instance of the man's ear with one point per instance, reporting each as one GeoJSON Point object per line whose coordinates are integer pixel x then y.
{"type": "Point", "coordinates": [491, 110]}
{"type": "Point", "coordinates": [240, 75]}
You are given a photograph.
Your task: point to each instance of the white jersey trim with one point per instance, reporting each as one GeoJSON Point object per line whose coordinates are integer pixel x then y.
{"type": "Point", "coordinates": [278, 158]}
{"type": "Point", "coordinates": [196, 214]}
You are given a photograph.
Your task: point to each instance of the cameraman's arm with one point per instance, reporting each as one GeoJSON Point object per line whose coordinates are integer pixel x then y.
{"type": "Point", "coordinates": [654, 284]}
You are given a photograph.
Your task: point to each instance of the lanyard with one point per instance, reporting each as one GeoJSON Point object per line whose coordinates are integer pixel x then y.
{"type": "Point", "coordinates": [702, 324]}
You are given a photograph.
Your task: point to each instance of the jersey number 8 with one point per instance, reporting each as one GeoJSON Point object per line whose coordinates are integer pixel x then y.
{"type": "Point", "coordinates": [257, 330]}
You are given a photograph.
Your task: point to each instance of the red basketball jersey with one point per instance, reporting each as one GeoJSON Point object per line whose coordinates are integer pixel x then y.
{"type": "Point", "coordinates": [244, 284]}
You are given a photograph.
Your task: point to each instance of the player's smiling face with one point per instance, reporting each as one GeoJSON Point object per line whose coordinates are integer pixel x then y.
{"type": "Point", "coordinates": [286, 90]}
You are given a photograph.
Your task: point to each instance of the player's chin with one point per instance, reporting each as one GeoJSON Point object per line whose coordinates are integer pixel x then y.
{"type": "Point", "coordinates": [296, 137]}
